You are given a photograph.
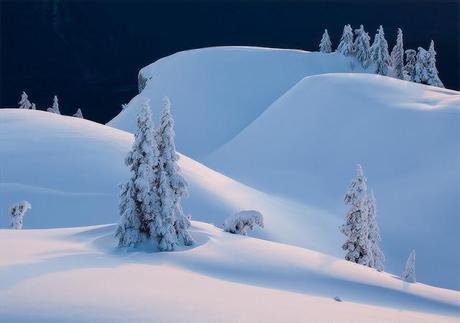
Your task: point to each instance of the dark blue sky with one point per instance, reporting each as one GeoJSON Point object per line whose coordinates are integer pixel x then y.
{"type": "Point", "coordinates": [89, 52]}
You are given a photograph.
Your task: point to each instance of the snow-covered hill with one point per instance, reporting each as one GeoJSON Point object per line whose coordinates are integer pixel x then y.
{"type": "Point", "coordinates": [77, 275]}
{"type": "Point", "coordinates": [216, 92]}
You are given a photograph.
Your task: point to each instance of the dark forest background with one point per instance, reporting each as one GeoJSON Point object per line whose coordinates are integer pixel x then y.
{"type": "Point", "coordinates": [89, 52]}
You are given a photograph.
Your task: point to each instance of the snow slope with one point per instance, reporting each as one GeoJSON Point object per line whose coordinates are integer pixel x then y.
{"type": "Point", "coordinates": [307, 143]}
{"type": "Point", "coordinates": [63, 275]}
{"type": "Point", "coordinates": [69, 168]}
{"type": "Point", "coordinates": [216, 92]}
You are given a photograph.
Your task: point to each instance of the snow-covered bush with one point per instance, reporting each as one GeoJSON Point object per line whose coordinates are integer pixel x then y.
{"type": "Point", "coordinates": [78, 114]}
{"type": "Point", "coordinates": [55, 107]}
{"type": "Point", "coordinates": [325, 46]}
{"type": "Point", "coordinates": [243, 221]}
{"type": "Point", "coordinates": [17, 212]}
{"type": "Point", "coordinates": [24, 103]}
{"type": "Point", "coordinates": [409, 272]}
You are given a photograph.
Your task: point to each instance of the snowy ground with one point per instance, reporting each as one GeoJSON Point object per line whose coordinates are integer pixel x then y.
{"type": "Point", "coordinates": [76, 274]}
{"type": "Point", "coordinates": [288, 140]}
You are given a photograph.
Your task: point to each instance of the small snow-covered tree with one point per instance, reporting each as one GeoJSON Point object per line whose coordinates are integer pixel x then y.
{"type": "Point", "coordinates": [432, 72]}
{"type": "Point", "coordinates": [397, 56]}
{"type": "Point", "coordinates": [362, 47]}
{"type": "Point", "coordinates": [33, 107]}
{"type": "Point", "coordinates": [139, 202]}
{"type": "Point", "coordinates": [409, 68]}
{"type": "Point", "coordinates": [325, 46]}
{"type": "Point", "coordinates": [243, 221]}
{"type": "Point", "coordinates": [409, 271]}
{"type": "Point", "coordinates": [24, 103]}
{"type": "Point", "coordinates": [55, 107]}
{"type": "Point", "coordinates": [78, 114]}
{"type": "Point", "coordinates": [346, 42]}
{"type": "Point", "coordinates": [17, 212]}
{"type": "Point", "coordinates": [356, 228]}
{"type": "Point", "coordinates": [172, 177]}
{"type": "Point", "coordinates": [377, 258]}
{"type": "Point", "coordinates": [379, 53]}
{"type": "Point", "coordinates": [421, 66]}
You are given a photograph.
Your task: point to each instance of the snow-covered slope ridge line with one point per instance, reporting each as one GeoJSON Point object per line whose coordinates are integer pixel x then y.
{"type": "Point", "coordinates": [87, 279]}
{"type": "Point", "coordinates": [216, 92]}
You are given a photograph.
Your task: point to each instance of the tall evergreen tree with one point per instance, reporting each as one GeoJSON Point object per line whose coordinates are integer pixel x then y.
{"type": "Point", "coordinates": [55, 107]}
{"type": "Point", "coordinates": [379, 53]}
{"type": "Point", "coordinates": [356, 228]}
{"type": "Point", "coordinates": [421, 66]}
{"type": "Point", "coordinates": [432, 71]}
{"type": "Point", "coordinates": [139, 202]}
{"type": "Point", "coordinates": [377, 258]}
{"type": "Point", "coordinates": [397, 56]}
{"type": "Point", "coordinates": [24, 103]}
{"type": "Point", "coordinates": [409, 68]}
{"type": "Point", "coordinates": [346, 42]}
{"type": "Point", "coordinates": [172, 176]}
{"type": "Point", "coordinates": [362, 47]}
{"type": "Point", "coordinates": [325, 46]}
{"type": "Point", "coordinates": [409, 271]}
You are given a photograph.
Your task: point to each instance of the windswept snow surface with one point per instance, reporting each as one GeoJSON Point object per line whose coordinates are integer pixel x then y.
{"type": "Point", "coordinates": [216, 92]}
{"type": "Point", "coordinates": [306, 146]}
{"type": "Point", "coordinates": [61, 275]}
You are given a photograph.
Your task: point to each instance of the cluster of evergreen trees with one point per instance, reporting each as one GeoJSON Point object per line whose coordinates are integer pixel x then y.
{"type": "Point", "coordinates": [419, 66]}
{"type": "Point", "coordinates": [24, 103]}
{"type": "Point", "coordinates": [362, 231]}
{"type": "Point", "coordinates": [150, 201]}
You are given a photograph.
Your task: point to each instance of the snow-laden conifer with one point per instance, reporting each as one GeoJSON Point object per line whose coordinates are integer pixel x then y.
{"type": "Point", "coordinates": [78, 114]}
{"type": "Point", "coordinates": [325, 46]}
{"type": "Point", "coordinates": [243, 221]}
{"type": "Point", "coordinates": [361, 46]}
{"type": "Point", "coordinates": [409, 68]}
{"type": "Point", "coordinates": [17, 212]}
{"type": "Point", "coordinates": [432, 72]}
{"type": "Point", "coordinates": [421, 66]}
{"type": "Point", "coordinates": [33, 107]}
{"type": "Point", "coordinates": [409, 271]}
{"type": "Point", "coordinates": [139, 202]}
{"type": "Point", "coordinates": [356, 229]}
{"type": "Point", "coordinates": [377, 258]}
{"type": "Point", "coordinates": [55, 107]}
{"type": "Point", "coordinates": [346, 42]}
{"type": "Point", "coordinates": [397, 56]}
{"type": "Point", "coordinates": [24, 103]}
{"type": "Point", "coordinates": [172, 183]}
{"type": "Point", "coordinates": [379, 53]}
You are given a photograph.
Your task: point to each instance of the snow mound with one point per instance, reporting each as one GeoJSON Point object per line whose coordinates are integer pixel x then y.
{"type": "Point", "coordinates": [69, 170]}
{"type": "Point", "coordinates": [216, 92]}
{"type": "Point", "coordinates": [307, 143]}
{"type": "Point", "coordinates": [86, 279]}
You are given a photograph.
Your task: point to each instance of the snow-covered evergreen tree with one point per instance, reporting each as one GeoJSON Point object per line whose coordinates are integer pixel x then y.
{"type": "Point", "coordinates": [356, 229]}
{"type": "Point", "coordinates": [377, 258]}
{"type": "Point", "coordinates": [33, 107]}
{"type": "Point", "coordinates": [346, 42]}
{"type": "Point", "coordinates": [409, 68]}
{"type": "Point", "coordinates": [432, 71]}
{"type": "Point", "coordinates": [243, 221]}
{"type": "Point", "coordinates": [17, 212]}
{"type": "Point", "coordinates": [55, 107]}
{"type": "Point", "coordinates": [78, 114]}
{"type": "Point", "coordinates": [421, 66]}
{"type": "Point", "coordinates": [409, 271]}
{"type": "Point", "coordinates": [397, 56]}
{"type": "Point", "coordinates": [379, 53]}
{"type": "Point", "coordinates": [24, 103]}
{"type": "Point", "coordinates": [362, 47]}
{"type": "Point", "coordinates": [172, 176]}
{"type": "Point", "coordinates": [325, 46]}
{"type": "Point", "coordinates": [139, 201]}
